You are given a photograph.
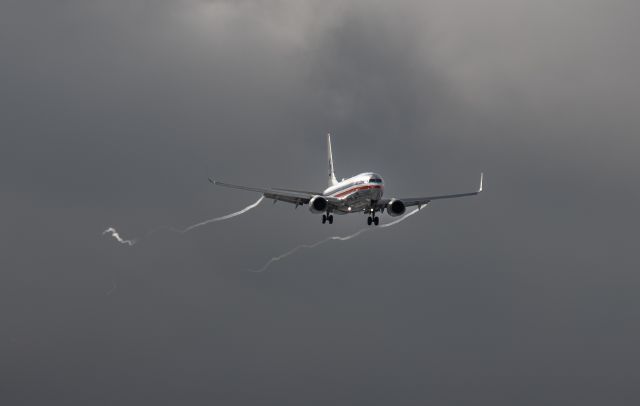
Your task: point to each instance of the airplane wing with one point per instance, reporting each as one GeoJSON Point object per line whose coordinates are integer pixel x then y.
{"type": "Point", "coordinates": [297, 197]}
{"type": "Point", "coordinates": [297, 191]}
{"type": "Point", "coordinates": [415, 201]}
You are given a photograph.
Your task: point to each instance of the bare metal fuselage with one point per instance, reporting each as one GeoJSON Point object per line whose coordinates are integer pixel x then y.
{"type": "Point", "coordinates": [357, 193]}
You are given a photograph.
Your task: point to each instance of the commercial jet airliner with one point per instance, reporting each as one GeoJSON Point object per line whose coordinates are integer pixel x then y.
{"type": "Point", "coordinates": [359, 194]}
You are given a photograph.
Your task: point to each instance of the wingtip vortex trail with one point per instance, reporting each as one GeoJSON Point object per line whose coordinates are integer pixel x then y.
{"type": "Point", "coordinates": [332, 238]}
{"type": "Point", "coordinates": [225, 217]}
{"type": "Point", "coordinates": [116, 235]}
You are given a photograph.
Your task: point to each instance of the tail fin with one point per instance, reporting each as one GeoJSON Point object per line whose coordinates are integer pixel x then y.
{"type": "Point", "coordinates": [332, 175]}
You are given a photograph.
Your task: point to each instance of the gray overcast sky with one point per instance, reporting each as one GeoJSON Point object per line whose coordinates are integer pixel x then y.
{"type": "Point", "coordinates": [115, 112]}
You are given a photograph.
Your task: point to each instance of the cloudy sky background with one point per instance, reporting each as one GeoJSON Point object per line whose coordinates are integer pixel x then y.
{"type": "Point", "coordinates": [115, 113]}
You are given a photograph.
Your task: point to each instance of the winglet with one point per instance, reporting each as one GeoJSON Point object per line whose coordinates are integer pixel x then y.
{"type": "Point", "coordinates": [213, 182]}
{"type": "Point", "coordinates": [481, 176]}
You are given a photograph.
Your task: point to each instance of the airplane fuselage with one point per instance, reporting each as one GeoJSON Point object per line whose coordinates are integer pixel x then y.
{"type": "Point", "coordinates": [357, 192]}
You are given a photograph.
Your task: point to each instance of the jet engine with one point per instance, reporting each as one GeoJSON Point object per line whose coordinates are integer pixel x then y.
{"type": "Point", "coordinates": [318, 204]}
{"type": "Point", "coordinates": [396, 208]}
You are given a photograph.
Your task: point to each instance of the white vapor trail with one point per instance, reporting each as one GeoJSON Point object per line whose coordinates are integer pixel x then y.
{"type": "Point", "coordinates": [336, 238]}
{"type": "Point", "coordinates": [115, 234]}
{"type": "Point", "coordinates": [228, 216]}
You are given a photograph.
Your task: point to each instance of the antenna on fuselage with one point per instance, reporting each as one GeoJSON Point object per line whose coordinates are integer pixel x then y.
{"type": "Point", "coordinates": [332, 175]}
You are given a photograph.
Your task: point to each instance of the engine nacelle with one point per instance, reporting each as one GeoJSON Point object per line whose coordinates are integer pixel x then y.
{"type": "Point", "coordinates": [318, 204]}
{"type": "Point", "coordinates": [396, 208]}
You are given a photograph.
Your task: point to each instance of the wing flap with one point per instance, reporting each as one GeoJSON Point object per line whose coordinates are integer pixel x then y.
{"type": "Point", "coordinates": [289, 199]}
{"type": "Point", "coordinates": [306, 192]}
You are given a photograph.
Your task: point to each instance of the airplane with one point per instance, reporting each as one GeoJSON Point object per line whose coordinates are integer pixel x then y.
{"type": "Point", "coordinates": [358, 194]}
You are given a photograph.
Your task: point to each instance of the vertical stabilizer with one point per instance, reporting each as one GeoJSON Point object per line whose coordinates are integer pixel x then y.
{"type": "Point", "coordinates": [332, 175]}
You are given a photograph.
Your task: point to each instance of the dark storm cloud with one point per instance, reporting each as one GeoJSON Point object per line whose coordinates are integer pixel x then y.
{"type": "Point", "coordinates": [114, 113]}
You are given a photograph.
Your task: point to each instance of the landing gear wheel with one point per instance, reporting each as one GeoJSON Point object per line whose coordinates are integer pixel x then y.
{"type": "Point", "coordinates": [330, 218]}
{"type": "Point", "coordinates": [376, 220]}
{"type": "Point", "coordinates": [324, 218]}
{"type": "Point", "coordinates": [369, 221]}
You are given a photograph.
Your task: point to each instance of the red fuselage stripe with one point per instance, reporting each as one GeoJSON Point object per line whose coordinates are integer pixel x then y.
{"type": "Point", "coordinates": [357, 188]}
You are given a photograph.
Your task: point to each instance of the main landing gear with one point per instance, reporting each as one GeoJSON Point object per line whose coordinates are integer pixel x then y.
{"type": "Point", "coordinates": [328, 218]}
{"type": "Point", "coordinates": [373, 219]}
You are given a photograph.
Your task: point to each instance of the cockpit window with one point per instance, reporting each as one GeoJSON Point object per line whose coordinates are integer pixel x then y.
{"type": "Point", "coordinates": [375, 180]}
